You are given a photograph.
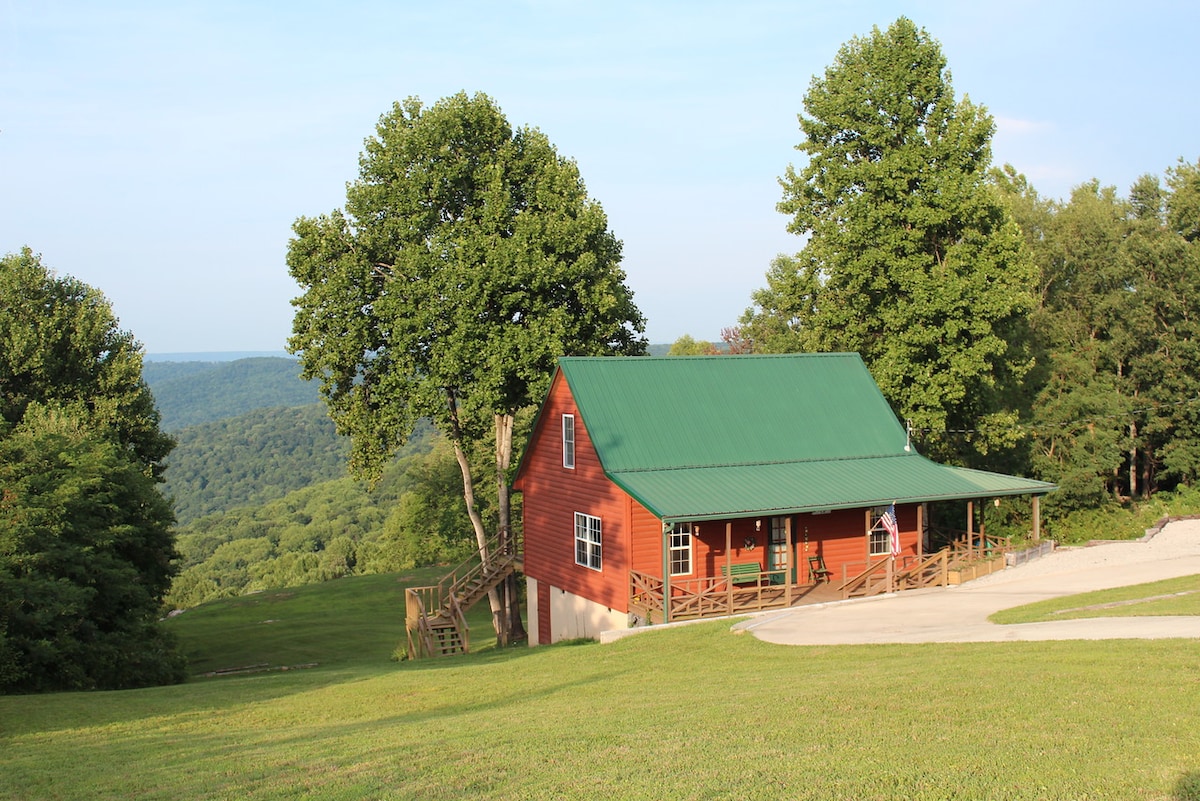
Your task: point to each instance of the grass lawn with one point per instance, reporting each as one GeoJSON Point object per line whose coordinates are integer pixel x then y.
{"type": "Point", "coordinates": [688, 713]}
{"type": "Point", "coordinates": [1177, 596]}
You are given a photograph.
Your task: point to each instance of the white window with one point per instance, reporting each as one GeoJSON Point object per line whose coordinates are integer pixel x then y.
{"type": "Point", "coordinates": [681, 549]}
{"type": "Point", "coordinates": [879, 538]}
{"type": "Point", "coordinates": [568, 434]}
{"type": "Point", "coordinates": [587, 541]}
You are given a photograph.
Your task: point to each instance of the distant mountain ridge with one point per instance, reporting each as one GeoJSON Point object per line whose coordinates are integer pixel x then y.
{"type": "Point", "coordinates": [216, 356]}
{"type": "Point", "coordinates": [193, 392]}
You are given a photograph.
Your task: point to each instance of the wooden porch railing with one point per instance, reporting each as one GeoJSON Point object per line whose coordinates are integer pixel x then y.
{"type": "Point", "coordinates": [712, 596]}
{"type": "Point", "coordinates": [932, 571]}
{"type": "Point", "coordinates": [979, 545]}
{"type": "Point", "coordinates": [716, 596]}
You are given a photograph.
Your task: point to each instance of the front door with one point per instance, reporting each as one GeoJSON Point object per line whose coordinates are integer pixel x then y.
{"type": "Point", "coordinates": [777, 551]}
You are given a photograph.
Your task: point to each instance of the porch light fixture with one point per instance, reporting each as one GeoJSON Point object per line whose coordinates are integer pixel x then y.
{"type": "Point", "coordinates": [758, 525]}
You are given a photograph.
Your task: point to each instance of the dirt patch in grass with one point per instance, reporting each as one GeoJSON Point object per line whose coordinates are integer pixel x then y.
{"type": "Point", "coordinates": [1116, 604]}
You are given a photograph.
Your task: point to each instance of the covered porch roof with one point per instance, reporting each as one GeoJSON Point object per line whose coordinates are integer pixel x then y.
{"type": "Point", "coordinates": [740, 490]}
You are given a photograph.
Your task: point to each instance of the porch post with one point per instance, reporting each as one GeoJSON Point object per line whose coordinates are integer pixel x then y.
{"type": "Point", "coordinates": [970, 529]}
{"type": "Point", "coordinates": [1037, 518]}
{"type": "Point", "coordinates": [729, 564]}
{"type": "Point", "coordinates": [666, 566]}
{"type": "Point", "coordinates": [920, 531]}
{"type": "Point", "coordinates": [787, 568]}
{"type": "Point", "coordinates": [982, 527]}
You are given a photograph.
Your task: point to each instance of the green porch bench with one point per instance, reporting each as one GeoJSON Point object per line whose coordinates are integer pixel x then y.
{"type": "Point", "coordinates": [743, 573]}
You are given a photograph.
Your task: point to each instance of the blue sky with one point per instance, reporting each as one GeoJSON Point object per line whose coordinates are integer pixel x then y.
{"type": "Point", "coordinates": [160, 151]}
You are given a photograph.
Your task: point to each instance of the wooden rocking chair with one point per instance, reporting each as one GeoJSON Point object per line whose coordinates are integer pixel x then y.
{"type": "Point", "coordinates": [817, 571]}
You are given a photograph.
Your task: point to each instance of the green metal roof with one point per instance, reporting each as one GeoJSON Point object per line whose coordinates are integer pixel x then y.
{"type": "Point", "coordinates": [695, 438]}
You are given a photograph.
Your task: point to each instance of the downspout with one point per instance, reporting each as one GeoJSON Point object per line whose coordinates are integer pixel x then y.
{"type": "Point", "coordinates": [729, 562]}
{"type": "Point", "coordinates": [970, 529]}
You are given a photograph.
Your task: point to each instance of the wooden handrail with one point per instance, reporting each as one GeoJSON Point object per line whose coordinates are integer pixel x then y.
{"type": "Point", "coordinates": [919, 575]}
{"type": "Point", "coordinates": [857, 581]}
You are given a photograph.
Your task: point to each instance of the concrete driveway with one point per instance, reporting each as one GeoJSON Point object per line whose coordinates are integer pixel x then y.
{"type": "Point", "coordinates": [959, 614]}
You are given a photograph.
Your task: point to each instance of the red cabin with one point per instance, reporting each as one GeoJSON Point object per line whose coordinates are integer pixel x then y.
{"type": "Point", "coordinates": [660, 489]}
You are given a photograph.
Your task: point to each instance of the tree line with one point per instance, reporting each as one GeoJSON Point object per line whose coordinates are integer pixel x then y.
{"type": "Point", "coordinates": [86, 546]}
{"type": "Point", "coordinates": [1011, 332]}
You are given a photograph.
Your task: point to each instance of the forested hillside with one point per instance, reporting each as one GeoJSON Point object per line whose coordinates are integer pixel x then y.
{"type": "Point", "coordinates": [261, 492]}
{"type": "Point", "coordinates": [190, 393]}
{"type": "Point", "coordinates": [252, 458]}
{"type": "Point", "coordinates": [415, 516]}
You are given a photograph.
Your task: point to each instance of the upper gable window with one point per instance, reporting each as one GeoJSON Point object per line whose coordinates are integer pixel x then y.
{"type": "Point", "coordinates": [568, 441]}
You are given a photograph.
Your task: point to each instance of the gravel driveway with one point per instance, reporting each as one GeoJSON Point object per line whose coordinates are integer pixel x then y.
{"type": "Point", "coordinates": [959, 614]}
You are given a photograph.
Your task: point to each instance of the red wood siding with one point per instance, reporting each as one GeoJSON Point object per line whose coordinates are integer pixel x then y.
{"type": "Point", "coordinates": [646, 541]}
{"type": "Point", "coordinates": [840, 537]}
{"type": "Point", "coordinates": [552, 496]}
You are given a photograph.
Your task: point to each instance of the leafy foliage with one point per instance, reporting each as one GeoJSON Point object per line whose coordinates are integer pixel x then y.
{"type": "Point", "coordinates": [1115, 407]}
{"type": "Point", "coordinates": [85, 540]}
{"type": "Point", "coordinates": [912, 259]}
{"type": "Point", "coordinates": [253, 458]}
{"type": "Point", "coordinates": [468, 259]}
{"type": "Point", "coordinates": [687, 346]}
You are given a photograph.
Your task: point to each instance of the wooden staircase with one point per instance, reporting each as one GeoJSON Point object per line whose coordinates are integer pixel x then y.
{"type": "Point", "coordinates": [435, 617]}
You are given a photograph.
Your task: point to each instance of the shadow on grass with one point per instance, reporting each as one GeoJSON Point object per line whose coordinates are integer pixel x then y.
{"type": "Point", "coordinates": [51, 712]}
{"type": "Point", "coordinates": [488, 655]}
{"type": "Point", "coordinates": [1188, 787]}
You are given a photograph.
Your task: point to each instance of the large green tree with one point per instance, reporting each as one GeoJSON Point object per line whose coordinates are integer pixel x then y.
{"type": "Point", "coordinates": [85, 540]}
{"type": "Point", "coordinates": [468, 258]}
{"type": "Point", "coordinates": [1112, 407]}
{"type": "Point", "coordinates": [912, 260]}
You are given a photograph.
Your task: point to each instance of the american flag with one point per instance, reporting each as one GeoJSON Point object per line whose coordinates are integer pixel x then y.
{"type": "Point", "coordinates": [892, 528]}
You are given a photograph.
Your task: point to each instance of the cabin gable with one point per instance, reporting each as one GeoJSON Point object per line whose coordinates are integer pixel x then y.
{"type": "Point", "coordinates": [554, 493]}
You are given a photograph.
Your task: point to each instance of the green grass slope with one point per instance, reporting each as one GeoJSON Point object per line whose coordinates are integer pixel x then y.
{"type": "Point", "coordinates": [352, 622]}
{"type": "Point", "coordinates": [1170, 597]}
{"type": "Point", "coordinates": [688, 713]}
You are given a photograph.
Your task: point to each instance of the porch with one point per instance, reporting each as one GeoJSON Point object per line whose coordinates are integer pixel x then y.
{"type": "Point", "coordinates": [741, 592]}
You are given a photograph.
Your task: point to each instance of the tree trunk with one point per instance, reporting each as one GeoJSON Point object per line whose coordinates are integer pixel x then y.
{"type": "Point", "coordinates": [1133, 463]}
{"type": "Point", "coordinates": [495, 597]}
{"type": "Point", "coordinates": [504, 431]}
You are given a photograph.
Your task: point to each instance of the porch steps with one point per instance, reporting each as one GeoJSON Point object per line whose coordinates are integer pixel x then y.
{"type": "Point", "coordinates": [446, 637]}
{"type": "Point", "coordinates": [436, 619]}
{"type": "Point", "coordinates": [473, 591]}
